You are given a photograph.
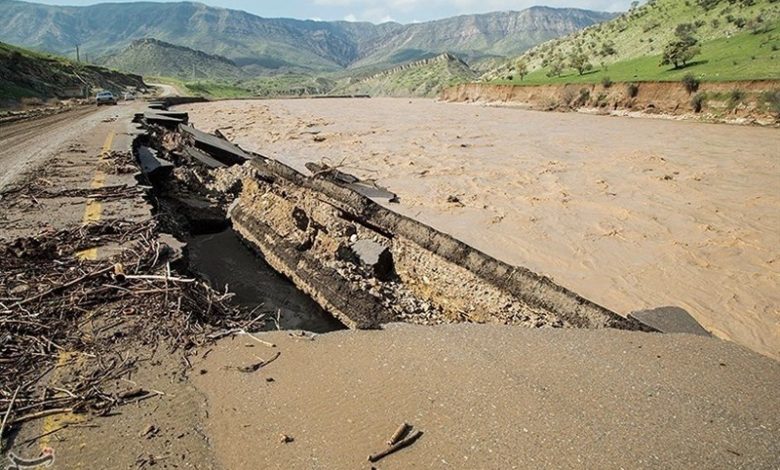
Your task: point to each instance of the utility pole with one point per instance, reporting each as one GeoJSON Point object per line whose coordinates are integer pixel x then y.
{"type": "Point", "coordinates": [78, 59]}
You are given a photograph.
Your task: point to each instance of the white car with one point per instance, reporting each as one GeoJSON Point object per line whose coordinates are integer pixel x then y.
{"type": "Point", "coordinates": [105, 97]}
{"type": "Point", "coordinates": [128, 96]}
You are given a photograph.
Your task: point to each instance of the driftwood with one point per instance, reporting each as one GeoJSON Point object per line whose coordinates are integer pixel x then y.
{"type": "Point", "coordinates": [402, 430]}
{"type": "Point", "coordinates": [259, 365]}
{"type": "Point", "coordinates": [395, 447]}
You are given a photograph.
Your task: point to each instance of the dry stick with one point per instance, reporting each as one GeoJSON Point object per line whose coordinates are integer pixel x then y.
{"type": "Point", "coordinates": [33, 439]}
{"type": "Point", "coordinates": [151, 277]}
{"type": "Point", "coordinates": [266, 343]}
{"type": "Point", "coordinates": [399, 434]}
{"type": "Point", "coordinates": [41, 414]}
{"type": "Point", "coordinates": [396, 447]}
{"type": "Point", "coordinates": [64, 286]}
{"type": "Point", "coordinates": [5, 417]}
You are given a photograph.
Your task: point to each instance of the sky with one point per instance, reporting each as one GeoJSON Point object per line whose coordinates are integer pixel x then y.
{"type": "Point", "coordinates": [378, 11]}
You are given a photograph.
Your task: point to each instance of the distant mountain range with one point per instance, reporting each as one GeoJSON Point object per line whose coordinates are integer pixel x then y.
{"type": "Point", "coordinates": [270, 45]}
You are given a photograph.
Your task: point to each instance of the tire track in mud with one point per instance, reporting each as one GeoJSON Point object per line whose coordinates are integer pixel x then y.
{"type": "Point", "coordinates": [26, 144]}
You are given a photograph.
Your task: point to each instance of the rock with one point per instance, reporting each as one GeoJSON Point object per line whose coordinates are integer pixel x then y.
{"type": "Point", "coordinates": [670, 320]}
{"type": "Point", "coordinates": [301, 219]}
{"type": "Point", "coordinates": [375, 257]}
{"type": "Point", "coordinates": [20, 289]}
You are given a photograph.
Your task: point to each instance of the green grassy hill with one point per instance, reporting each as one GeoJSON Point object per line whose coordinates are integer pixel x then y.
{"type": "Point", "coordinates": [421, 78]}
{"type": "Point", "coordinates": [738, 40]}
{"type": "Point", "coordinates": [28, 74]}
{"type": "Point", "coordinates": [150, 57]}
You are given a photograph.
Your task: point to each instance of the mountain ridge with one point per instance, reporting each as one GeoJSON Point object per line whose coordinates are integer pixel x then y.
{"type": "Point", "coordinates": [270, 44]}
{"type": "Point", "coordinates": [155, 58]}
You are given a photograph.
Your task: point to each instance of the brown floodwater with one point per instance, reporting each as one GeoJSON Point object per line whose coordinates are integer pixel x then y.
{"type": "Point", "coordinates": [630, 213]}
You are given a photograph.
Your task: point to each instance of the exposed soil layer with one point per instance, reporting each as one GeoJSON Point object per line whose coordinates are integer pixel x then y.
{"type": "Point", "coordinates": [629, 213]}
{"type": "Point", "coordinates": [738, 102]}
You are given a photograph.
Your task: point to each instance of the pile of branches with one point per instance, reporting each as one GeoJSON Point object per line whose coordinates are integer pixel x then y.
{"type": "Point", "coordinates": [37, 187]}
{"type": "Point", "coordinates": [55, 304]}
{"type": "Point", "coordinates": [118, 163]}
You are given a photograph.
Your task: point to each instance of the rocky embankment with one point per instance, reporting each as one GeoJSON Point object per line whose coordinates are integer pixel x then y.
{"type": "Point", "coordinates": [744, 102]}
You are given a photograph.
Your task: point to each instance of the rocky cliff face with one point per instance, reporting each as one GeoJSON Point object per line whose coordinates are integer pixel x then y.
{"type": "Point", "coordinates": [477, 36]}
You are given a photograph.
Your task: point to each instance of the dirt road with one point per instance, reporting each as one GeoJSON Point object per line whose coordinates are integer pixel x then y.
{"type": "Point", "coordinates": [27, 144]}
{"type": "Point", "coordinates": [166, 90]}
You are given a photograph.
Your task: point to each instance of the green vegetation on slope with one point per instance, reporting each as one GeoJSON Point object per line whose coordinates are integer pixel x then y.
{"type": "Point", "coordinates": [150, 57]}
{"type": "Point", "coordinates": [422, 78]}
{"type": "Point", "coordinates": [737, 40]}
{"type": "Point", "coordinates": [28, 74]}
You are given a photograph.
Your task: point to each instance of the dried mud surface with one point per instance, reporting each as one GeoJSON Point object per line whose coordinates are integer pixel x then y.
{"type": "Point", "coordinates": [629, 213]}
{"type": "Point", "coordinates": [492, 397]}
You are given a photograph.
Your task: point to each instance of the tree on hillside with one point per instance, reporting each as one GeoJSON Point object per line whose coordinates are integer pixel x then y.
{"type": "Point", "coordinates": [578, 60]}
{"type": "Point", "coordinates": [556, 67]}
{"type": "Point", "coordinates": [682, 48]}
{"type": "Point", "coordinates": [521, 68]}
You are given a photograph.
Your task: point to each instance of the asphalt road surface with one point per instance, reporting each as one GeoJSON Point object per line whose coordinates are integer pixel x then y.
{"type": "Point", "coordinates": [28, 144]}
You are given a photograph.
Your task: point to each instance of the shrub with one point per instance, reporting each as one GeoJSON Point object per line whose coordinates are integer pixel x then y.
{"type": "Point", "coordinates": [601, 100]}
{"type": "Point", "coordinates": [698, 102]}
{"type": "Point", "coordinates": [736, 97]}
{"type": "Point", "coordinates": [691, 83]}
{"type": "Point", "coordinates": [632, 89]}
{"type": "Point", "coordinates": [584, 97]}
{"type": "Point", "coordinates": [772, 100]}
{"type": "Point", "coordinates": [568, 96]}
{"type": "Point", "coordinates": [606, 82]}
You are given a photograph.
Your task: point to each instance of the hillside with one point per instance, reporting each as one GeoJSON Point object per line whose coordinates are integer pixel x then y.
{"type": "Point", "coordinates": [150, 57]}
{"type": "Point", "coordinates": [737, 40]}
{"type": "Point", "coordinates": [475, 37]}
{"type": "Point", "coordinates": [27, 74]}
{"type": "Point", "coordinates": [261, 44]}
{"type": "Point", "coordinates": [425, 77]}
